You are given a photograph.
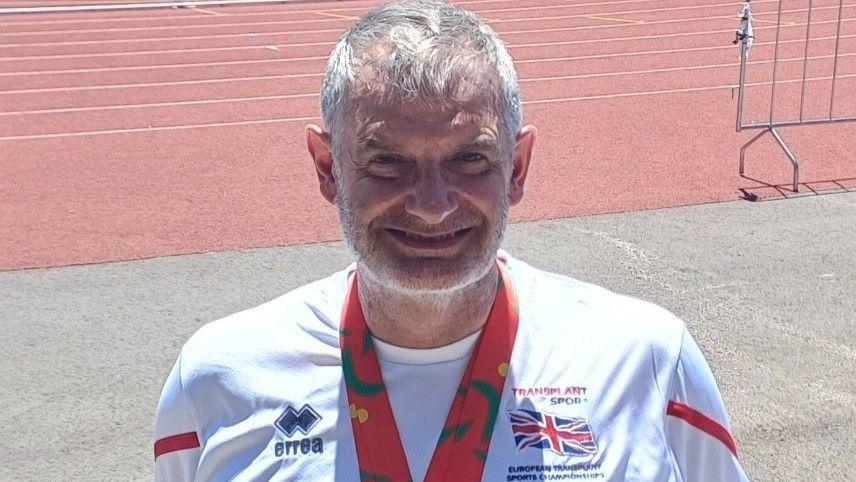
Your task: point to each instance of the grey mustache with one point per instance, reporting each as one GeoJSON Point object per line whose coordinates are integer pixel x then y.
{"type": "Point", "coordinates": [433, 231]}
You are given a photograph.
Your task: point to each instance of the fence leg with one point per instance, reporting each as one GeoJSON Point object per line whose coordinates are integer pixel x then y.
{"type": "Point", "coordinates": [794, 161]}
{"type": "Point", "coordinates": [746, 146]}
{"type": "Point", "coordinates": [742, 87]}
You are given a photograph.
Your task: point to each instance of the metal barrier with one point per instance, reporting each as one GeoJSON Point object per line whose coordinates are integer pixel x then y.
{"type": "Point", "coordinates": [745, 37]}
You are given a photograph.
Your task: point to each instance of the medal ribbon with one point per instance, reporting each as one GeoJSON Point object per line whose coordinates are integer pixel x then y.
{"type": "Point", "coordinates": [462, 448]}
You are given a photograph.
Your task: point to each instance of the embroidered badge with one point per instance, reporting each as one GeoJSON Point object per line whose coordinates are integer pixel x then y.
{"type": "Point", "coordinates": [564, 436]}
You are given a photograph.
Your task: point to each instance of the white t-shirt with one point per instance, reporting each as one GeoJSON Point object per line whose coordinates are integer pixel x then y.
{"type": "Point", "coordinates": [259, 395]}
{"type": "Point", "coordinates": [411, 374]}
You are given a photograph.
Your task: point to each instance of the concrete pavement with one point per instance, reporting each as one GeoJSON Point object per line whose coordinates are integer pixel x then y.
{"type": "Point", "coordinates": [767, 289]}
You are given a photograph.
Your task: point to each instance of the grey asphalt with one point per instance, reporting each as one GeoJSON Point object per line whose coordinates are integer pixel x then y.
{"type": "Point", "coordinates": [767, 288]}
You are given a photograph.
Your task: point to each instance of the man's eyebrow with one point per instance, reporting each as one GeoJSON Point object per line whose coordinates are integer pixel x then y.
{"type": "Point", "coordinates": [373, 143]}
{"type": "Point", "coordinates": [479, 144]}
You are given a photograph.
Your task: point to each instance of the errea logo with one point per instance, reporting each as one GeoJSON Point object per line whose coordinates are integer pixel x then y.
{"type": "Point", "coordinates": [303, 421]}
{"type": "Point", "coordinates": [293, 420]}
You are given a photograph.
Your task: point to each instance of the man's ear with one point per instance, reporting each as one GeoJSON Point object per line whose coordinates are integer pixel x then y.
{"type": "Point", "coordinates": [520, 162]}
{"type": "Point", "coordinates": [321, 150]}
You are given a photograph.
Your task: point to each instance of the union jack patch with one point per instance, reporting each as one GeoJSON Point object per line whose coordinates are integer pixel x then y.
{"type": "Point", "coordinates": [564, 436]}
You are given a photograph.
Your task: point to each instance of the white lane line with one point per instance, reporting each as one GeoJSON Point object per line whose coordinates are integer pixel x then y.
{"type": "Point", "coordinates": [150, 52]}
{"type": "Point", "coordinates": [675, 91]}
{"type": "Point", "coordinates": [160, 129]}
{"type": "Point", "coordinates": [645, 52]}
{"type": "Point", "coordinates": [166, 27]}
{"type": "Point", "coordinates": [619, 73]}
{"type": "Point", "coordinates": [607, 15]}
{"type": "Point", "coordinates": [676, 69]}
{"type": "Point", "coordinates": [625, 39]}
{"type": "Point", "coordinates": [575, 58]}
{"type": "Point", "coordinates": [160, 104]}
{"type": "Point", "coordinates": [186, 3]}
{"type": "Point", "coordinates": [165, 39]}
{"type": "Point", "coordinates": [144, 67]}
{"type": "Point", "coordinates": [775, 22]}
{"type": "Point", "coordinates": [266, 61]}
{"type": "Point", "coordinates": [159, 84]}
{"type": "Point", "coordinates": [342, 9]}
{"type": "Point", "coordinates": [104, 7]}
{"type": "Point", "coordinates": [503, 33]}
{"type": "Point", "coordinates": [211, 12]}
{"type": "Point", "coordinates": [336, 15]}
{"type": "Point", "coordinates": [598, 4]}
{"type": "Point", "coordinates": [316, 118]}
{"type": "Point", "coordinates": [612, 19]}
{"type": "Point", "coordinates": [284, 22]}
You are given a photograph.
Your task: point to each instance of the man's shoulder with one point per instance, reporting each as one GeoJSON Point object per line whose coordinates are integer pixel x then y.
{"type": "Point", "coordinates": [561, 304]}
{"type": "Point", "coordinates": [300, 322]}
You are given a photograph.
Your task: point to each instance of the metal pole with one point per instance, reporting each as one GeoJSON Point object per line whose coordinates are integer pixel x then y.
{"type": "Point", "coordinates": [744, 36]}
{"type": "Point", "coordinates": [835, 64]}
{"type": "Point", "coordinates": [804, 122]}
{"type": "Point", "coordinates": [794, 161]}
{"type": "Point", "coordinates": [741, 88]}
{"type": "Point", "coordinates": [776, 61]}
{"type": "Point", "coordinates": [746, 146]}
{"type": "Point", "coordinates": [805, 58]}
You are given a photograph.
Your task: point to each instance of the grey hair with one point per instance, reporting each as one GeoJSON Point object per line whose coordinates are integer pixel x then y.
{"type": "Point", "coordinates": [420, 52]}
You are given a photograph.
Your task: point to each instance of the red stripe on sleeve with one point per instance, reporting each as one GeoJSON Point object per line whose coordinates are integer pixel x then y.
{"type": "Point", "coordinates": [174, 443]}
{"type": "Point", "coordinates": [703, 423]}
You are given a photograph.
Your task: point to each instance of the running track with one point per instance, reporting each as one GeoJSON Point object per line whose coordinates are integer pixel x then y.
{"type": "Point", "coordinates": [134, 134]}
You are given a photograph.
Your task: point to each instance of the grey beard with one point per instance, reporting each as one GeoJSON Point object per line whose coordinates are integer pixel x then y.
{"type": "Point", "coordinates": [360, 249]}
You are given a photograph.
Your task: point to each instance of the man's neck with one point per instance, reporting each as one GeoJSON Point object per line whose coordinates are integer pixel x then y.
{"type": "Point", "coordinates": [426, 320]}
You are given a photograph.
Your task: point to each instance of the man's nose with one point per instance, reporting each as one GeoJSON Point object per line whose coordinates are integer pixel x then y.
{"type": "Point", "coordinates": [433, 199]}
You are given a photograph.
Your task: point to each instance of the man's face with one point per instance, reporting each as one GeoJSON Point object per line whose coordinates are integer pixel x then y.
{"type": "Point", "coordinates": [423, 194]}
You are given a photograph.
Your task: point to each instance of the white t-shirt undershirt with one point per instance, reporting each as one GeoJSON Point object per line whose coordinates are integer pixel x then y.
{"type": "Point", "coordinates": [421, 384]}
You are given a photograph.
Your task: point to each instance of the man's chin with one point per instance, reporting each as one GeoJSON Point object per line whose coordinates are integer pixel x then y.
{"type": "Point", "coordinates": [431, 274]}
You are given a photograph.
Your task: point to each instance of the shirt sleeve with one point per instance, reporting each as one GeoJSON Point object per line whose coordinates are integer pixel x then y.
{"type": "Point", "coordinates": [697, 426]}
{"type": "Point", "coordinates": [177, 446]}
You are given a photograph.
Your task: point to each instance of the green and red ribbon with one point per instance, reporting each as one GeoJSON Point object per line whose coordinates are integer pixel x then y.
{"type": "Point", "coordinates": [462, 448]}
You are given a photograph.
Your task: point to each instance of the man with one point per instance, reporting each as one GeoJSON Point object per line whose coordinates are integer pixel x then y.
{"type": "Point", "coordinates": [433, 357]}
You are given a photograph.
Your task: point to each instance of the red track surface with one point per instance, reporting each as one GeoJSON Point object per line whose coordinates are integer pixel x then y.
{"type": "Point", "coordinates": [143, 133]}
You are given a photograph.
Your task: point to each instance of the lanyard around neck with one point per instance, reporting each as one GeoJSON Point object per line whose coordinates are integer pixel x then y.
{"type": "Point", "coordinates": [461, 450]}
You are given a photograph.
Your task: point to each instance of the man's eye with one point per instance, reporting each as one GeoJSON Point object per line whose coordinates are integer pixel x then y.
{"type": "Point", "coordinates": [387, 166]}
{"type": "Point", "coordinates": [469, 157]}
{"type": "Point", "coordinates": [471, 163]}
{"type": "Point", "coordinates": [386, 160]}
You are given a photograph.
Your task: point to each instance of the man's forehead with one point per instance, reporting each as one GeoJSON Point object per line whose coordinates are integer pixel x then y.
{"type": "Point", "coordinates": [480, 138]}
{"type": "Point", "coordinates": [382, 122]}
